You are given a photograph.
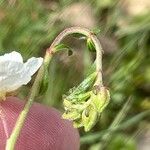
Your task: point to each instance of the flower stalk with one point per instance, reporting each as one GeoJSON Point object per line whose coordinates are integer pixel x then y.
{"type": "Point", "coordinates": [10, 145]}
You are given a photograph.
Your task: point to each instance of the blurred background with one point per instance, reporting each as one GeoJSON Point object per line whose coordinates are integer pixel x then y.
{"type": "Point", "coordinates": [30, 26]}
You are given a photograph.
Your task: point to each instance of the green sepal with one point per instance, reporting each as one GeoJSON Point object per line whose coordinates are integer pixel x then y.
{"type": "Point", "coordinates": [63, 47]}
{"type": "Point", "coordinates": [78, 123]}
{"type": "Point", "coordinates": [69, 105]}
{"type": "Point", "coordinates": [80, 97]}
{"type": "Point", "coordinates": [101, 99]}
{"type": "Point", "coordinates": [84, 85]}
{"type": "Point", "coordinates": [90, 45]}
{"type": "Point", "coordinates": [89, 118]}
{"type": "Point", "coordinates": [73, 114]}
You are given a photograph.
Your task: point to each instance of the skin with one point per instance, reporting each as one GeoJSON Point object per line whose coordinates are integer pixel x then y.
{"type": "Point", "coordinates": [44, 128]}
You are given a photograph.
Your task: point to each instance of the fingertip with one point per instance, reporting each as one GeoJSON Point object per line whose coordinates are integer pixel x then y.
{"type": "Point", "coordinates": [44, 128]}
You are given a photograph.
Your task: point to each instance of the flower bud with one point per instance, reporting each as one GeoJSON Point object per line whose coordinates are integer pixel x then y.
{"type": "Point", "coordinates": [100, 99]}
{"type": "Point", "coordinates": [89, 118]}
{"type": "Point", "coordinates": [72, 114]}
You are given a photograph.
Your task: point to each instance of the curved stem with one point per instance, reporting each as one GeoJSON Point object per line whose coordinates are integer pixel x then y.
{"type": "Point", "coordinates": [10, 144]}
{"type": "Point", "coordinates": [88, 34]}
{"type": "Point", "coordinates": [36, 85]}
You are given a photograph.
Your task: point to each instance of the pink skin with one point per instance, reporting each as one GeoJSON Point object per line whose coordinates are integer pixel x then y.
{"type": "Point", "coordinates": [44, 129]}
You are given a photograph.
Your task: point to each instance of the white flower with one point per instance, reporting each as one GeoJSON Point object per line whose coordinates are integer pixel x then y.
{"type": "Point", "coordinates": [14, 73]}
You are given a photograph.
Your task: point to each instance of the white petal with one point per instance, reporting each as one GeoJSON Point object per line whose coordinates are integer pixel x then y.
{"type": "Point", "coordinates": [10, 73]}
{"type": "Point", "coordinates": [14, 73]}
{"type": "Point", "coordinates": [8, 68]}
{"type": "Point", "coordinates": [20, 74]}
{"type": "Point", "coordinates": [13, 56]}
{"type": "Point", "coordinates": [33, 64]}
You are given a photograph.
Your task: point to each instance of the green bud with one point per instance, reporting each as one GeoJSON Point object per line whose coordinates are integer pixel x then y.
{"type": "Point", "coordinates": [85, 109]}
{"type": "Point", "coordinates": [89, 118]}
{"type": "Point", "coordinates": [78, 123]}
{"type": "Point", "coordinates": [71, 115]}
{"type": "Point", "coordinates": [68, 105]}
{"type": "Point", "coordinates": [79, 98]}
{"type": "Point", "coordinates": [100, 99]}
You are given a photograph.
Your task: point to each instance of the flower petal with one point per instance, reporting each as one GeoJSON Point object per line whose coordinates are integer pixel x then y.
{"type": "Point", "coordinates": [32, 65]}
{"type": "Point", "coordinates": [10, 75]}
{"type": "Point", "coordinates": [14, 73]}
{"type": "Point", "coordinates": [13, 56]}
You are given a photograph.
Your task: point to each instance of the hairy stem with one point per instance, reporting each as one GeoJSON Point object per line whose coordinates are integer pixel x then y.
{"type": "Point", "coordinates": [94, 39]}
{"type": "Point", "coordinates": [10, 145]}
